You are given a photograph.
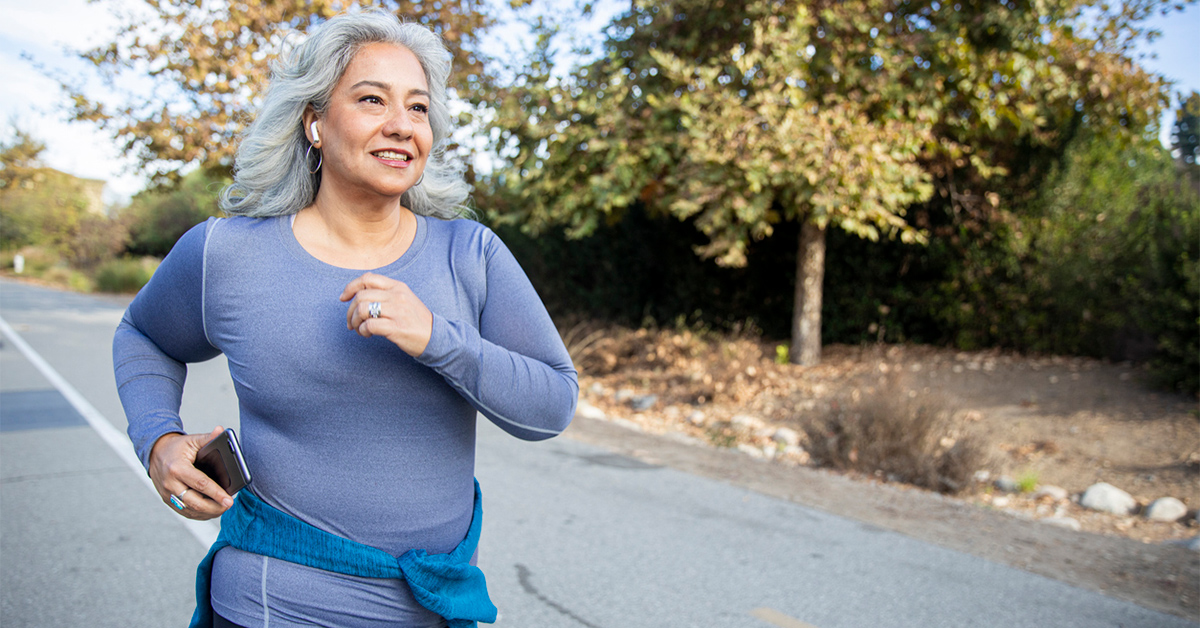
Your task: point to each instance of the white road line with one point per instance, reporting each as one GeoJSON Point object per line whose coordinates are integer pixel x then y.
{"type": "Point", "coordinates": [204, 531]}
{"type": "Point", "coordinates": [772, 616]}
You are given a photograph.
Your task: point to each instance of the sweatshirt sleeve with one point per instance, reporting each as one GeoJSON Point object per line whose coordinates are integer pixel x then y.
{"type": "Point", "coordinates": [514, 369]}
{"type": "Point", "coordinates": [162, 330]}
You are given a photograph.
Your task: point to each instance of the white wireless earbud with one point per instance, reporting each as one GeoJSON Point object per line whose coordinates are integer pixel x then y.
{"type": "Point", "coordinates": [316, 136]}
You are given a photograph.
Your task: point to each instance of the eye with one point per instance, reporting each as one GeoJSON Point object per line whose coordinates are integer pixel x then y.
{"type": "Point", "coordinates": [374, 100]}
{"type": "Point", "coordinates": [421, 108]}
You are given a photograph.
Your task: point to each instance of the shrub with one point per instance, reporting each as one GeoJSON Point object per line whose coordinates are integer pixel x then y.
{"type": "Point", "coordinates": [96, 239]}
{"type": "Point", "coordinates": [39, 260]}
{"type": "Point", "coordinates": [125, 275]}
{"type": "Point", "coordinates": [157, 217]}
{"type": "Point", "coordinates": [903, 437]}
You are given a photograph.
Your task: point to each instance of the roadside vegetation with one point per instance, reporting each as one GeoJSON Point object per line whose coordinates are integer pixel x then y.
{"type": "Point", "coordinates": [58, 227]}
{"type": "Point", "coordinates": [710, 194]}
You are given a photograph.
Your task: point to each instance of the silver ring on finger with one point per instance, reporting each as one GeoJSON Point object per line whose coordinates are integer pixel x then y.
{"type": "Point", "coordinates": [177, 502]}
{"type": "Point", "coordinates": [375, 309]}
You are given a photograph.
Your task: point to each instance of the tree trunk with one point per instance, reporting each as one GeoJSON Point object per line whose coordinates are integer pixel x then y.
{"type": "Point", "coordinates": [810, 278]}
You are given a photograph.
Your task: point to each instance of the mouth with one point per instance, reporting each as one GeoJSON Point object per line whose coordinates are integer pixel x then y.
{"type": "Point", "coordinates": [391, 155]}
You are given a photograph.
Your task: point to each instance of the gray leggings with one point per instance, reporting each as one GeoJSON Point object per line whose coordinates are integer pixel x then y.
{"type": "Point", "coordinates": [221, 622]}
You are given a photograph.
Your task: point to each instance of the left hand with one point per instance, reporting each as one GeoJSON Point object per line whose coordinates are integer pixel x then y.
{"type": "Point", "coordinates": [403, 318]}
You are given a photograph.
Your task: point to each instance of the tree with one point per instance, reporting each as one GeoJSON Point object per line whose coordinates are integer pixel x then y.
{"type": "Point", "coordinates": [20, 162]}
{"type": "Point", "coordinates": [208, 62]}
{"type": "Point", "coordinates": [1185, 137]}
{"type": "Point", "coordinates": [159, 216]}
{"type": "Point", "coordinates": [855, 114]}
{"type": "Point", "coordinates": [42, 206]}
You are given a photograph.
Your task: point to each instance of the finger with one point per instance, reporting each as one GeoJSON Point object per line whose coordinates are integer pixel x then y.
{"type": "Point", "coordinates": [360, 307]}
{"type": "Point", "coordinates": [366, 281]}
{"type": "Point", "coordinates": [202, 485]}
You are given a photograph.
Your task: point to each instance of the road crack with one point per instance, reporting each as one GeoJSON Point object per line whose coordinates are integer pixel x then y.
{"type": "Point", "coordinates": [525, 577]}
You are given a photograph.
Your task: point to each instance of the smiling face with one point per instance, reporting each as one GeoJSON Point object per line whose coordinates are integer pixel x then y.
{"type": "Point", "coordinates": [375, 136]}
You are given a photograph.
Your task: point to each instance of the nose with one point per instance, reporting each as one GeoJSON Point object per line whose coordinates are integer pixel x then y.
{"type": "Point", "coordinates": [399, 125]}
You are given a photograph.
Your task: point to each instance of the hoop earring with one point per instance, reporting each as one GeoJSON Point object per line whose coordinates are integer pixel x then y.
{"type": "Point", "coordinates": [320, 159]}
{"type": "Point", "coordinates": [420, 179]}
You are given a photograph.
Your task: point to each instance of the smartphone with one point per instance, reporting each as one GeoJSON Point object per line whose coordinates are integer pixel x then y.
{"type": "Point", "coordinates": [221, 459]}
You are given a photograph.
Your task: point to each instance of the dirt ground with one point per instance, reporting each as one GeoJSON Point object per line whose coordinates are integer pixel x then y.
{"type": "Point", "coordinates": [1044, 420]}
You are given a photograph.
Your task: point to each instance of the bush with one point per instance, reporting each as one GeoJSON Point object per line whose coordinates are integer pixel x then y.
{"type": "Point", "coordinates": [39, 260]}
{"type": "Point", "coordinates": [125, 275]}
{"type": "Point", "coordinates": [157, 217]}
{"type": "Point", "coordinates": [905, 438]}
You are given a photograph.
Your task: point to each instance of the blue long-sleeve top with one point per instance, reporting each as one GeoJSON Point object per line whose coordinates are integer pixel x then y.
{"type": "Point", "coordinates": [346, 433]}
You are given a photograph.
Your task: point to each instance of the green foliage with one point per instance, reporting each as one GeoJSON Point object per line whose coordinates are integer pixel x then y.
{"type": "Point", "coordinates": [159, 216]}
{"type": "Point", "coordinates": [1185, 137]}
{"type": "Point", "coordinates": [45, 207]}
{"type": "Point", "coordinates": [1103, 262]}
{"type": "Point", "coordinates": [880, 117]}
{"type": "Point", "coordinates": [125, 275]}
{"type": "Point", "coordinates": [1027, 482]}
{"type": "Point", "coordinates": [209, 64]}
{"type": "Point", "coordinates": [38, 260]}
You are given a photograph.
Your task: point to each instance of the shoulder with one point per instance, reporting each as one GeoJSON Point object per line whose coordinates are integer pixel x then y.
{"type": "Point", "coordinates": [235, 233]}
{"type": "Point", "coordinates": [463, 235]}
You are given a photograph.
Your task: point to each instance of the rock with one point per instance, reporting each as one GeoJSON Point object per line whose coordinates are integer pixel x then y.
{"type": "Point", "coordinates": [588, 411]}
{"type": "Point", "coordinates": [1105, 497]}
{"type": "Point", "coordinates": [786, 436]}
{"type": "Point", "coordinates": [1006, 484]}
{"type": "Point", "coordinates": [596, 389]}
{"type": "Point", "coordinates": [1166, 509]}
{"type": "Point", "coordinates": [623, 395]}
{"type": "Point", "coordinates": [1057, 493]}
{"type": "Point", "coordinates": [982, 476]}
{"type": "Point", "coordinates": [796, 454]}
{"type": "Point", "coordinates": [1063, 522]}
{"type": "Point", "coordinates": [697, 418]}
{"type": "Point", "coordinates": [750, 450]}
{"type": "Point", "coordinates": [1001, 501]}
{"type": "Point", "coordinates": [627, 424]}
{"type": "Point", "coordinates": [642, 403]}
{"type": "Point", "coordinates": [684, 438]}
{"type": "Point", "coordinates": [747, 423]}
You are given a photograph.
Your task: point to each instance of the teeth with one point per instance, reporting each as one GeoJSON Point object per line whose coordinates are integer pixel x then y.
{"type": "Point", "coordinates": [387, 154]}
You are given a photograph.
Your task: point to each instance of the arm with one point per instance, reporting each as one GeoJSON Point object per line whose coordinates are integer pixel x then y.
{"type": "Point", "coordinates": [161, 331]}
{"type": "Point", "coordinates": [515, 369]}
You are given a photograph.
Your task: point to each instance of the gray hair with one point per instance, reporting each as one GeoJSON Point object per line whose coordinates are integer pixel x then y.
{"type": "Point", "coordinates": [271, 171]}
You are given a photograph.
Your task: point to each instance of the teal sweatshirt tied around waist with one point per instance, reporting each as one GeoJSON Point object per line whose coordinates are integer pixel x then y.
{"type": "Point", "coordinates": [447, 584]}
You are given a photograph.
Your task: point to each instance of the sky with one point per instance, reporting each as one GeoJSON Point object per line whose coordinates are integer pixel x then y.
{"type": "Point", "coordinates": [43, 31]}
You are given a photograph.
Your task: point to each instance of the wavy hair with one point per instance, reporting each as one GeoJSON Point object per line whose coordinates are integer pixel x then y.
{"type": "Point", "coordinates": [271, 170]}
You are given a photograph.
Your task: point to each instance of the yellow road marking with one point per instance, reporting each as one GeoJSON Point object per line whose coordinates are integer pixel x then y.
{"type": "Point", "coordinates": [772, 616]}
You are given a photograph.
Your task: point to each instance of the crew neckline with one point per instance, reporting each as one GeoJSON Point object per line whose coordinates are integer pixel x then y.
{"type": "Point", "coordinates": [288, 236]}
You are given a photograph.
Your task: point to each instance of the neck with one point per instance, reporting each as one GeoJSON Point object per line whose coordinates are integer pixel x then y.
{"type": "Point", "coordinates": [355, 233]}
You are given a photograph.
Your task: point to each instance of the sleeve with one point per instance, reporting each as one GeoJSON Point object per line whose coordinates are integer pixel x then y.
{"type": "Point", "coordinates": [161, 331]}
{"type": "Point", "coordinates": [514, 369]}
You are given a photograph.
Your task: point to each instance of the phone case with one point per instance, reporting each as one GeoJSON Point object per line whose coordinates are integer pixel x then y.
{"type": "Point", "coordinates": [221, 459]}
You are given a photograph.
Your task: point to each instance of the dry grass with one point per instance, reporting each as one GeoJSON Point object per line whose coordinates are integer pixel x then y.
{"type": "Point", "coordinates": [895, 433]}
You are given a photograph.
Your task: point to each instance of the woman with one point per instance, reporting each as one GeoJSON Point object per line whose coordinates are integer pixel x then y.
{"type": "Point", "coordinates": [364, 327]}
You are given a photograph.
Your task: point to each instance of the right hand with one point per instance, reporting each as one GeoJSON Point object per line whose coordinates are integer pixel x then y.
{"type": "Point", "coordinates": [173, 470]}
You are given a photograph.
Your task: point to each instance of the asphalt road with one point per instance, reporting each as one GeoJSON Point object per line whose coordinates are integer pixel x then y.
{"type": "Point", "coordinates": [574, 535]}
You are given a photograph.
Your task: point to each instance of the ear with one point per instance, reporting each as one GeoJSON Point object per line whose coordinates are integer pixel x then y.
{"type": "Point", "coordinates": [311, 127]}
